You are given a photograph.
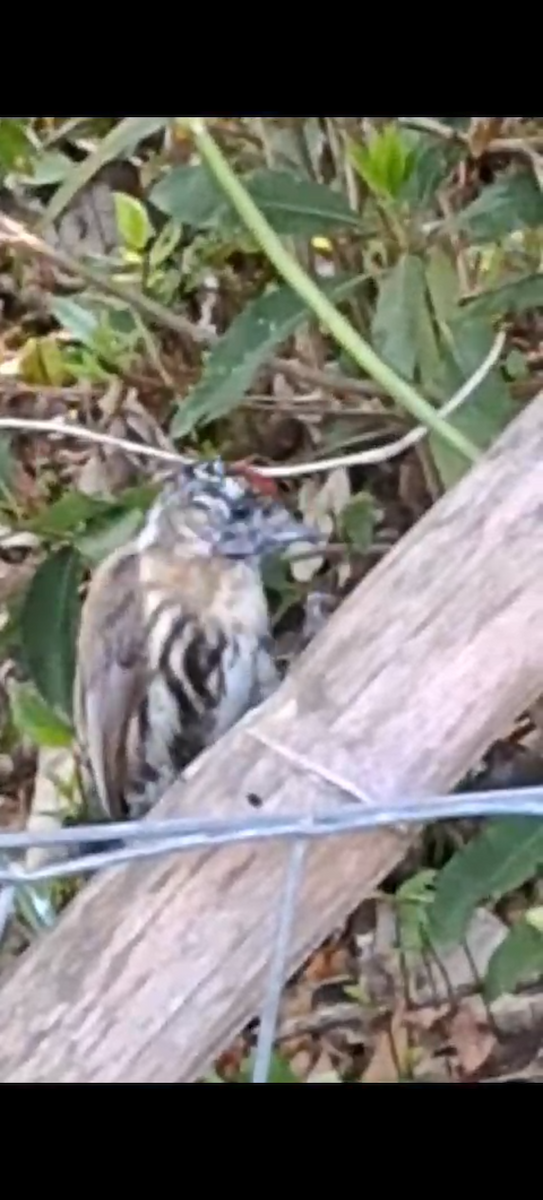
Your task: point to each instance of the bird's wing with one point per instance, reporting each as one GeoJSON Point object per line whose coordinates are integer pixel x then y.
{"type": "Point", "coordinates": [111, 675]}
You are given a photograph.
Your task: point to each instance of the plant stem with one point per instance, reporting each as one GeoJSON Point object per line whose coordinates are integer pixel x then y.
{"type": "Point", "coordinates": [303, 285]}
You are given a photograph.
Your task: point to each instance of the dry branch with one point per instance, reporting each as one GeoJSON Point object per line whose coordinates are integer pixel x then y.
{"type": "Point", "coordinates": [154, 967]}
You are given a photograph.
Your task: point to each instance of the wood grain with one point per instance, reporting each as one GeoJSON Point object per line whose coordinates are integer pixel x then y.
{"type": "Point", "coordinates": [155, 967]}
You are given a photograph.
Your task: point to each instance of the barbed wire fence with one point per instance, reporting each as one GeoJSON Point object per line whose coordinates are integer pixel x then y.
{"type": "Point", "coordinates": [120, 843]}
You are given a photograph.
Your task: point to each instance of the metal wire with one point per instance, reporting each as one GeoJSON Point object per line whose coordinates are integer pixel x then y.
{"type": "Point", "coordinates": [277, 969]}
{"type": "Point", "coordinates": [148, 839]}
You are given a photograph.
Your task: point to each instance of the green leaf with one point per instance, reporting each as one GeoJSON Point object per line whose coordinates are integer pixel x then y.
{"type": "Point", "coordinates": [73, 512]}
{"type": "Point", "coordinates": [502, 857]}
{"type": "Point", "coordinates": [357, 521]}
{"type": "Point", "coordinates": [431, 164]}
{"type": "Point", "coordinates": [48, 624]}
{"type": "Point", "coordinates": [279, 1072]}
{"type": "Point", "coordinates": [297, 206]}
{"type": "Point", "coordinates": [7, 463]}
{"type": "Point", "coordinates": [104, 536]}
{"type": "Point", "coordinates": [67, 514]}
{"type": "Point", "coordinates": [190, 196]}
{"type": "Point", "coordinates": [412, 901]}
{"type": "Point", "coordinates": [385, 162]}
{"type": "Point", "coordinates": [517, 960]}
{"type": "Point", "coordinates": [51, 167]}
{"type": "Point", "coordinates": [442, 284]}
{"type": "Point", "coordinates": [75, 318]}
{"type": "Point", "coordinates": [164, 244]}
{"type": "Point", "coordinates": [509, 204]}
{"type": "Point", "coordinates": [119, 141]}
{"type": "Point", "coordinates": [516, 366]}
{"type": "Point", "coordinates": [513, 297]}
{"type": "Point", "coordinates": [291, 204]}
{"type": "Point", "coordinates": [534, 917]}
{"type": "Point", "coordinates": [133, 222]}
{"type": "Point", "coordinates": [15, 145]}
{"type": "Point", "coordinates": [251, 338]}
{"type": "Point", "coordinates": [486, 412]}
{"type": "Point", "coordinates": [35, 719]}
{"type": "Point", "coordinates": [396, 321]}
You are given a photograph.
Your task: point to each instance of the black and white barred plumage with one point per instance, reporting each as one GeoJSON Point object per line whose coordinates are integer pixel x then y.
{"type": "Point", "coordinates": [174, 644]}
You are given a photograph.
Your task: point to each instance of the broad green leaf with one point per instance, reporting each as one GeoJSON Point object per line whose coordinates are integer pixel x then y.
{"type": "Point", "coordinates": [75, 318]}
{"type": "Point", "coordinates": [35, 719]}
{"type": "Point", "coordinates": [48, 624]}
{"type": "Point", "coordinates": [486, 412]}
{"type": "Point", "coordinates": [298, 206]}
{"type": "Point", "coordinates": [515, 202]}
{"type": "Point", "coordinates": [517, 960]}
{"type": "Point", "coordinates": [502, 857]}
{"type": "Point", "coordinates": [396, 321]}
{"type": "Point", "coordinates": [431, 164]}
{"type": "Point", "coordinates": [189, 195]}
{"type": "Point", "coordinates": [513, 297]}
{"type": "Point", "coordinates": [442, 283]}
{"type": "Point", "coordinates": [119, 141]}
{"type": "Point", "coordinates": [291, 204]}
{"type": "Point", "coordinates": [251, 338]}
{"type": "Point", "coordinates": [102, 537]}
{"type": "Point", "coordinates": [132, 221]}
{"type": "Point", "coordinates": [51, 167]}
{"type": "Point", "coordinates": [429, 354]}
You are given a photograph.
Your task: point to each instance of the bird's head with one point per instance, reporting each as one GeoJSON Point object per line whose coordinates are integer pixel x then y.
{"type": "Point", "coordinates": [211, 511]}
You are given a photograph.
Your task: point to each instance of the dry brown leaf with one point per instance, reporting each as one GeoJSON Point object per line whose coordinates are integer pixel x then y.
{"type": "Point", "coordinates": [425, 1018]}
{"type": "Point", "coordinates": [481, 132]}
{"type": "Point", "coordinates": [390, 1053]}
{"type": "Point", "coordinates": [471, 1039]}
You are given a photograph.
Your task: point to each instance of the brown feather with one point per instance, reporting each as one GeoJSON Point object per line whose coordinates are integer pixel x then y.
{"type": "Point", "coordinates": [111, 676]}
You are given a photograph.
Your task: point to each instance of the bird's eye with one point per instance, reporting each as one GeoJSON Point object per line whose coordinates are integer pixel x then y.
{"type": "Point", "coordinates": [242, 510]}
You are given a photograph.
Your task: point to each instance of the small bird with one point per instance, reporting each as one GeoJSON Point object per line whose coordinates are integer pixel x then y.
{"type": "Point", "coordinates": [174, 644]}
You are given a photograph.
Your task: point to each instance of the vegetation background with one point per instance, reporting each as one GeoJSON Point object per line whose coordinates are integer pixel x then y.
{"type": "Point", "coordinates": [296, 294]}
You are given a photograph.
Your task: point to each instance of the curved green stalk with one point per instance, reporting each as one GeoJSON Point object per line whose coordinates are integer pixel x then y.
{"type": "Point", "coordinates": [300, 282]}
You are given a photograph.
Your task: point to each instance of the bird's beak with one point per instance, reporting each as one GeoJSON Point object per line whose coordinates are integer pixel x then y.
{"type": "Point", "coordinates": [297, 532]}
{"type": "Point", "coordinates": [289, 532]}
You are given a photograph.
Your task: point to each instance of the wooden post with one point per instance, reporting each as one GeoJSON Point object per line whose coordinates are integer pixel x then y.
{"type": "Point", "coordinates": [154, 967]}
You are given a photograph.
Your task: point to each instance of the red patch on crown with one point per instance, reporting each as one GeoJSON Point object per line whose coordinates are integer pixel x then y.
{"type": "Point", "coordinates": [259, 482]}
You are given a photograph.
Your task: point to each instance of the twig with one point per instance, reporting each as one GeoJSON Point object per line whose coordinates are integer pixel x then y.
{"type": "Point", "coordinates": [499, 145]}
{"type": "Point", "coordinates": [432, 125]}
{"type": "Point", "coordinates": [363, 457]}
{"type": "Point", "coordinates": [31, 425]}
